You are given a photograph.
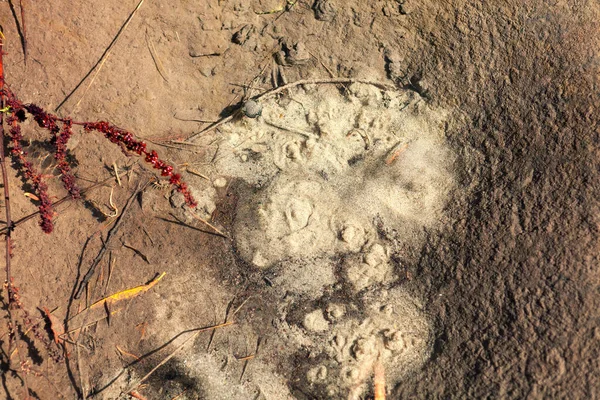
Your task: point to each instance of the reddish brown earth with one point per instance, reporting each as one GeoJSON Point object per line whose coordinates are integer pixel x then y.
{"type": "Point", "coordinates": [511, 283]}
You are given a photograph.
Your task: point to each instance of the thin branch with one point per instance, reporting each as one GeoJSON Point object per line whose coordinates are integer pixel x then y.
{"type": "Point", "coordinates": [9, 225]}
{"type": "Point", "coordinates": [20, 26]}
{"type": "Point", "coordinates": [273, 92]}
{"type": "Point", "coordinates": [24, 31]}
{"type": "Point", "coordinates": [105, 246]}
{"type": "Point", "coordinates": [98, 66]}
{"type": "Point", "coordinates": [277, 90]}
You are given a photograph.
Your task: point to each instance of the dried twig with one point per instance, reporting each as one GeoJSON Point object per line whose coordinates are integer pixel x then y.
{"type": "Point", "coordinates": [273, 92]}
{"type": "Point", "coordinates": [24, 31]}
{"type": "Point", "coordinates": [98, 66]}
{"type": "Point", "coordinates": [205, 222]}
{"type": "Point", "coordinates": [197, 55]}
{"type": "Point", "coordinates": [247, 359]}
{"type": "Point", "coordinates": [111, 266]}
{"type": "Point", "coordinates": [138, 252]}
{"type": "Point", "coordinates": [9, 228]}
{"type": "Point", "coordinates": [109, 236]}
{"type": "Point", "coordinates": [20, 26]}
{"type": "Point", "coordinates": [277, 90]}
{"type": "Point", "coordinates": [215, 125]}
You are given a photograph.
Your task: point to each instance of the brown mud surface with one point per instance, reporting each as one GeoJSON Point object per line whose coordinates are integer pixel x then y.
{"type": "Point", "coordinates": [506, 276]}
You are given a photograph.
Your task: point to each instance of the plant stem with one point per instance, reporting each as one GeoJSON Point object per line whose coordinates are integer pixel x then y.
{"type": "Point", "coordinates": [5, 179]}
{"type": "Point", "coordinates": [9, 229]}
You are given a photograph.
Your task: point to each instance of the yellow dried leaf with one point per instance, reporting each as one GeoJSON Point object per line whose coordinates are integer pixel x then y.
{"type": "Point", "coordinates": [32, 196]}
{"type": "Point", "coordinates": [127, 294]}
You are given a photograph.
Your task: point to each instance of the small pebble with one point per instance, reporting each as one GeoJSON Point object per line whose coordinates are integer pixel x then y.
{"type": "Point", "coordinates": [317, 374]}
{"type": "Point", "coordinates": [259, 260]}
{"type": "Point", "coordinates": [177, 200]}
{"type": "Point", "coordinates": [315, 321]}
{"type": "Point", "coordinates": [335, 311]}
{"type": "Point", "coordinates": [206, 71]}
{"type": "Point", "coordinates": [220, 182]}
{"type": "Point", "coordinates": [252, 109]}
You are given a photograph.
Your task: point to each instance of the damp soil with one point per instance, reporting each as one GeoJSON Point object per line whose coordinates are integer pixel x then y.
{"type": "Point", "coordinates": [508, 279]}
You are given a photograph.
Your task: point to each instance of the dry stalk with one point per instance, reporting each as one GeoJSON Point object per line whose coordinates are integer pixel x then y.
{"type": "Point", "coordinates": [277, 90]}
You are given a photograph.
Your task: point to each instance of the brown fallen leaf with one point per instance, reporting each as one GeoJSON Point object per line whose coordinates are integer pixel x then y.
{"type": "Point", "coordinates": [56, 326]}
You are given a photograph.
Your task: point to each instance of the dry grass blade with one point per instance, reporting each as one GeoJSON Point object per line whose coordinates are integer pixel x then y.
{"type": "Point", "coordinates": [194, 172]}
{"type": "Point", "coordinates": [157, 63]}
{"type": "Point", "coordinates": [395, 153]}
{"type": "Point", "coordinates": [136, 395]}
{"type": "Point", "coordinates": [214, 125]}
{"type": "Point", "coordinates": [126, 353]}
{"type": "Point", "coordinates": [211, 226]}
{"type": "Point", "coordinates": [117, 174]}
{"type": "Point", "coordinates": [80, 371]}
{"type": "Point", "coordinates": [179, 395]}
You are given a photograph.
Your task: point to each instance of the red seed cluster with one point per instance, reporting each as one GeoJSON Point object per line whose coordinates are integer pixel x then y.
{"type": "Point", "coordinates": [29, 323]}
{"type": "Point", "coordinates": [62, 130]}
{"type": "Point", "coordinates": [30, 173]}
{"type": "Point", "coordinates": [60, 142]}
{"type": "Point", "coordinates": [43, 119]}
{"type": "Point", "coordinates": [60, 137]}
{"type": "Point", "coordinates": [121, 136]}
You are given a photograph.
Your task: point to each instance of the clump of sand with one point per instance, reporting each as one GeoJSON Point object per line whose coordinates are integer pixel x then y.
{"type": "Point", "coordinates": [324, 165]}
{"type": "Point", "coordinates": [392, 331]}
{"type": "Point", "coordinates": [324, 170]}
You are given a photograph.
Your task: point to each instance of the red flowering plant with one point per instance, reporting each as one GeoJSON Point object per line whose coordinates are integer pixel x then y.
{"type": "Point", "coordinates": [14, 112]}
{"type": "Point", "coordinates": [61, 130]}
